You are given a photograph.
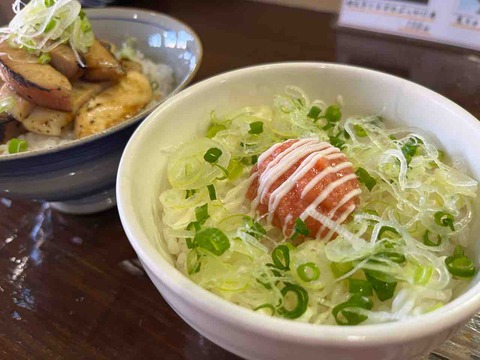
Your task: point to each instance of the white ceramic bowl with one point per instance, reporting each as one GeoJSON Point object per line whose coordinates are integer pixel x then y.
{"type": "Point", "coordinates": [142, 177]}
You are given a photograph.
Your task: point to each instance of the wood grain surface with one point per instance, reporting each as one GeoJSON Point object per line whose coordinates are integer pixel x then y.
{"type": "Point", "coordinates": [71, 286]}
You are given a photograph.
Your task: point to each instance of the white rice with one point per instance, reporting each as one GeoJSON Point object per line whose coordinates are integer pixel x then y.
{"type": "Point", "coordinates": [160, 76]}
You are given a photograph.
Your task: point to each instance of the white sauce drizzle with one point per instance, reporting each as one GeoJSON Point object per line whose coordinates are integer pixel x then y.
{"type": "Point", "coordinates": [312, 151]}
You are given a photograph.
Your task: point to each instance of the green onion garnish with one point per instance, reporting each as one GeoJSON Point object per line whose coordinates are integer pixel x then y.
{"type": "Point", "coordinates": [333, 113]}
{"type": "Point", "coordinates": [214, 129]}
{"type": "Point", "coordinates": [336, 141]}
{"type": "Point", "coordinates": [428, 242]}
{"type": "Point", "coordinates": [44, 59]}
{"type": "Point", "coordinates": [256, 127]}
{"type": "Point", "coordinates": [393, 256]}
{"type": "Point", "coordinates": [193, 262]}
{"type": "Point", "coordinates": [281, 257]}
{"type": "Point", "coordinates": [386, 229]}
{"type": "Point", "coordinates": [212, 155]}
{"type": "Point", "coordinates": [308, 272]}
{"type": "Point", "coordinates": [6, 103]}
{"type": "Point", "coordinates": [358, 286]}
{"type": "Point", "coordinates": [190, 193]}
{"type": "Point", "coordinates": [347, 310]}
{"type": "Point", "coordinates": [459, 264]}
{"type": "Point", "coordinates": [444, 219]}
{"type": "Point", "coordinates": [49, 3]}
{"type": "Point", "coordinates": [50, 25]}
{"type": "Point", "coordinates": [265, 306]}
{"type": "Point", "coordinates": [299, 228]}
{"type": "Point", "coordinates": [360, 131]}
{"type": "Point", "coordinates": [254, 228]}
{"type": "Point", "coordinates": [340, 269]}
{"type": "Point", "coordinates": [300, 301]}
{"type": "Point", "coordinates": [201, 213]}
{"type": "Point", "coordinates": [212, 192]}
{"type": "Point", "coordinates": [314, 112]}
{"type": "Point", "coordinates": [16, 146]}
{"type": "Point", "coordinates": [213, 240]}
{"type": "Point", "coordinates": [409, 149]}
{"type": "Point", "coordinates": [422, 275]}
{"type": "Point", "coordinates": [365, 178]}
{"type": "Point", "coordinates": [194, 225]}
{"type": "Point", "coordinates": [383, 284]}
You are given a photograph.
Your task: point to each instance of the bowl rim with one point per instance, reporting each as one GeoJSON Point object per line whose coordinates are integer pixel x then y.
{"type": "Point", "coordinates": [126, 13]}
{"type": "Point", "coordinates": [449, 316]}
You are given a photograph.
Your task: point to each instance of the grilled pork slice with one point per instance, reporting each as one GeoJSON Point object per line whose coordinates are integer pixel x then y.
{"type": "Point", "coordinates": [52, 122]}
{"type": "Point", "coordinates": [102, 64]}
{"type": "Point", "coordinates": [64, 61]}
{"type": "Point", "coordinates": [115, 105]}
{"type": "Point", "coordinates": [41, 84]}
{"type": "Point", "coordinates": [22, 107]}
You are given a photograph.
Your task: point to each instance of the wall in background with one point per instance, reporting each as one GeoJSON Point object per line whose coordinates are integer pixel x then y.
{"type": "Point", "coordinates": [319, 5]}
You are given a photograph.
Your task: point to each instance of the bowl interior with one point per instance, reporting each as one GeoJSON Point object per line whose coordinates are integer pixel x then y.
{"type": "Point", "coordinates": [160, 38]}
{"type": "Point", "coordinates": [142, 174]}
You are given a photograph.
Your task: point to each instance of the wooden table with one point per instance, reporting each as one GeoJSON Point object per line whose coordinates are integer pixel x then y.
{"type": "Point", "coordinates": [71, 287]}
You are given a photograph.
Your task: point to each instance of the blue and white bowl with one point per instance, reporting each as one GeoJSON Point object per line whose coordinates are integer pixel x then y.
{"type": "Point", "coordinates": [79, 177]}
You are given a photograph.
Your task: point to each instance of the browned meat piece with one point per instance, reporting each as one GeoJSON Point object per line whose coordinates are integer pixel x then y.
{"type": "Point", "coordinates": [10, 130]}
{"type": "Point", "coordinates": [41, 84]}
{"type": "Point", "coordinates": [52, 122]}
{"type": "Point", "coordinates": [129, 65]}
{"type": "Point", "coordinates": [64, 60]}
{"type": "Point", "coordinates": [114, 105]}
{"type": "Point", "coordinates": [102, 64]}
{"type": "Point", "coordinates": [22, 107]}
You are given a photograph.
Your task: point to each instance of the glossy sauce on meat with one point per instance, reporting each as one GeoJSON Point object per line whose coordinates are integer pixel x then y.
{"type": "Point", "coordinates": [304, 179]}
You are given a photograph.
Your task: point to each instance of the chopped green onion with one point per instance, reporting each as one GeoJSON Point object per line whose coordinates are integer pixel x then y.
{"type": "Point", "coordinates": [254, 228]}
{"type": "Point", "coordinates": [193, 262]}
{"type": "Point", "coordinates": [393, 256]}
{"type": "Point", "coordinates": [256, 127]}
{"type": "Point", "coordinates": [300, 302]}
{"type": "Point", "coordinates": [211, 192]}
{"type": "Point", "coordinates": [409, 149]}
{"type": "Point", "coordinates": [314, 112]}
{"type": "Point", "coordinates": [347, 310]}
{"type": "Point", "coordinates": [336, 141]}
{"type": "Point", "coordinates": [358, 286]}
{"type": "Point", "coordinates": [392, 137]}
{"type": "Point", "coordinates": [340, 268]}
{"type": "Point", "coordinates": [385, 229]}
{"type": "Point", "coordinates": [191, 244]}
{"type": "Point", "coordinates": [428, 242]}
{"type": "Point", "coordinates": [194, 225]}
{"type": "Point", "coordinates": [383, 284]}
{"type": "Point", "coordinates": [50, 25]}
{"type": "Point", "coordinates": [299, 228]}
{"type": "Point", "coordinates": [444, 219]}
{"type": "Point", "coordinates": [254, 159]}
{"type": "Point", "coordinates": [213, 240]}
{"type": "Point", "coordinates": [6, 103]}
{"type": "Point", "coordinates": [16, 146]}
{"type": "Point", "coordinates": [360, 131]}
{"type": "Point", "coordinates": [225, 172]}
{"type": "Point", "coordinates": [44, 59]}
{"type": "Point", "coordinates": [212, 155]}
{"type": "Point", "coordinates": [333, 113]}
{"type": "Point", "coordinates": [365, 178]}
{"type": "Point", "coordinates": [308, 272]}
{"type": "Point", "coordinates": [281, 257]}
{"type": "Point", "coordinates": [422, 275]}
{"type": "Point", "coordinates": [201, 214]}
{"type": "Point", "coordinates": [49, 3]}
{"type": "Point", "coordinates": [190, 193]}
{"type": "Point", "coordinates": [235, 169]}
{"type": "Point", "coordinates": [459, 264]}
{"type": "Point", "coordinates": [441, 155]}
{"type": "Point", "coordinates": [214, 129]}
{"type": "Point", "coordinates": [265, 306]}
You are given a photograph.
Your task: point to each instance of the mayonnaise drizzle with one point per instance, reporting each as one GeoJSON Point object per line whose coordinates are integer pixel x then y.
{"type": "Point", "coordinates": [311, 151]}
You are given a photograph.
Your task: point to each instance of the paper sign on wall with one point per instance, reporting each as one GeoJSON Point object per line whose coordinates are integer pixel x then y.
{"type": "Point", "coordinates": [455, 22]}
